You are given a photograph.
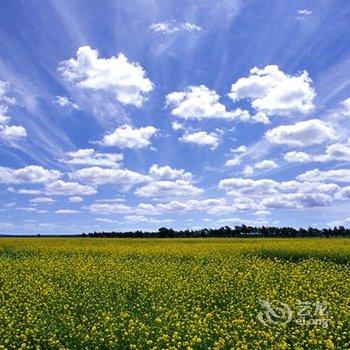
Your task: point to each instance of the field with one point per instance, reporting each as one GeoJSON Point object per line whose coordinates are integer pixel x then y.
{"type": "Point", "coordinates": [174, 293]}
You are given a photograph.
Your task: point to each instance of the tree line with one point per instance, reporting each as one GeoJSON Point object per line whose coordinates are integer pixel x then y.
{"type": "Point", "coordinates": [226, 231]}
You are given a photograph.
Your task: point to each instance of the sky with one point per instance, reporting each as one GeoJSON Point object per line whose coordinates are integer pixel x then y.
{"type": "Point", "coordinates": [132, 115]}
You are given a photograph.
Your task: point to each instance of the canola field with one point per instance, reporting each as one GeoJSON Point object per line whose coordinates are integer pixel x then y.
{"type": "Point", "coordinates": [87, 293]}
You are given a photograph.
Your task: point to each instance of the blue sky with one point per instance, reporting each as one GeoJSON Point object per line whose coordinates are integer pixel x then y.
{"type": "Point", "coordinates": [140, 114]}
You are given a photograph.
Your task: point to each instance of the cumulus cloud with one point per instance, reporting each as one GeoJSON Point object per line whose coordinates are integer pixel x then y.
{"type": "Point", "coordinates": [167, 173]}
{"type": "Point", "coordinates": [177, 126]}
{"type": "Point", "coordinates": [201, 138]}
{"type": "Point", "coordinates": [301, 134]}
{"type": "Point", "coordinates": [127, 137]}
{"type": "Point", "coordinates": [240, 150]}
{"type": "Point", "coordinates": [344, 193]}
{"type": "Point", "coordinates": [267, 193]}
{"type": "Point", "coordinates": [239, 153]}
{"type": "Point", "coordinates": [249, 170]}
{"type": "Point", "coordinates": [297, 200]}
{"type": "Point", "coordinates": [126, 80]}
{"type": "Point", "coordinates": [168, 182]}
{"type": "Point", "coordinates": [110, 221]}
{"type": "Point", "coordinates": [23, 191]}
{"type": "Point", "coordinates": [174, 27]}
{"type": "Point", "coordinates": [109, 208]}
{"type": "Point", "coordinates": [188, 205]}
{"type": "Point", "coordinates": [67, 211]}
{"type": "Point", "coordinates": [28, 174]}
{"type": "Point", "coordinates": [334, 175]}
{"type": "Point", "coordinates": [198, 102]}
{"type": "Point", "coordinates": [273, 92]}
{"type": "Point", "coordinates": [90, 157]}
{"type": "Point", "coordinates": [345, 107]}
{"type": "Point", "coordinates": [334, 152]}
{"type": "Point", "coordinates": [266, 165]}
{"type": "Point", "coordinates": [103, 176]}
{"type": "Point", "coordinates": [8, 133]}
{"type": "Point", "coordinates": [12, 133]}
{"type": "Point", "coordinates": [63, 188]}
{"type": "Point", "coordinates": [75, 199]}
{"type": "Point", "coordinates": [5, 100]}
{"type": "Point", "coordinates": [42, 200]}
{"type": "Point", "coordinates": [303, 13]}
{"type": "Point", "coordinates": [177, 188]}
{"type": "Point", "coordinates": [297, 157]}
{"type": "Point", "coordinates": [65, 101]}
{"type": "Point", "coordinates": [248, 186]}
{"type": "Point", "coordinates": [233, 162]}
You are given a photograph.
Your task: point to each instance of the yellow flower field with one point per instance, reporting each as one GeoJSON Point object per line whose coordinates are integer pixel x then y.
{"type": "Point", "coordinates": [84, 293]}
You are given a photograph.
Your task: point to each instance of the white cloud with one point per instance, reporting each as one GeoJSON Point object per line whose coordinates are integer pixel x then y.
{"type": "Point", "coordinates": [12, 133]}
{"type": "Point", "coordinates": [177, 188]}
{"type": "Point", "coordinates": [8, 133]}
{"type": "Point", "coordinates": [344, 193]}
{"type": "Point", "coordinates": [301, 134]}
{"type": "Point", "coordinates": [64, 101]}
{"type": "Point", "coordinates": [302, 13]}
{"type": "Point", "coordinates": [168, 182]}
{"type": "Point", "coordinates": [248, 186]}
{"type": "Point", "coordinates": [297, 200]}
{"type": "Point", "coordinates": [201, 138]}
{"type": "Point", "coordinates": [334, 152]}
{"type": "Point", "coordinates": [316, 175]}
{"type": "Point", "coordinates": [144, 219]}
{"type": "Point", "coordinates": [297, 157]}
{"type": "Point", "coordinates": [28, 174]}
{"type": "Point", "coordinates": [67, 211]}
{"type": "Point", "coordinates": [337, 151]}
{"type": "Point", "coordinates": [239, 152]}
{"type": "Point", "coordinates": [177, 126]}
{"type": "Point", "coordinates": [198, 102]}
{"type": "Point", "coordinates": [126, 80]}
{"type": "Point", "coordinates": [174, 27]}
{"type": "Point", "coordinates": [262, 213]}
{"type": "Point", "coordinates": [75, 199]}
{"type": "Point", "coordinates": [273, 92]}
{"type": "Point", "coordinates": [346, 107]}
{"type": "Point", "coordinates": [266, 193]}
{"type": "Point", "coordinates": [168, 173]}
{"type": "Point", "coordinates": [5, 100]}
{"type": "Point", "coordinates": [63, 188]}
{"type": "Point", "coordinates": [103, 176]}
{"type": "Point", "coordinates": [90, 157]}
{"type": "Point", "coordinates": [107, 220]}
{"type": "Point", "coordinates": [127, 137]}
{"type": "Point", "coordinates": [233, 162]}
{"type": "Point", "coordinates": [249, 170]}
{"type": "Point", "coordinates": [341, 112]}
{"type": "Point", "coordinates": [308, 187]}
{"type": "Point", "coordinates": [42, 200]}
{"type": "Point", "coordinates": [23, 191]}
{"type": "Point", "coordinates": [189, 205]}
{"type": "Point", "coordinates": [246, 117]}
{"type": "Point", "coordinates": [266, 165]}
{"type": "Point", "coordinates": [107, 208]}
